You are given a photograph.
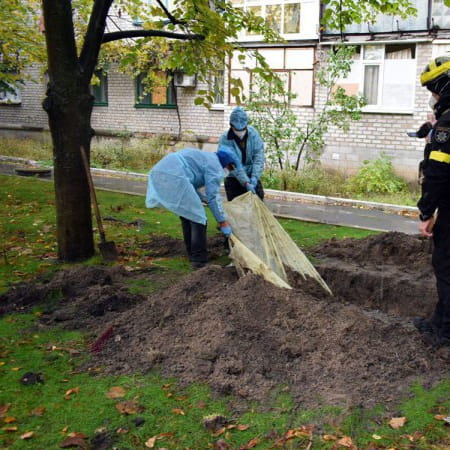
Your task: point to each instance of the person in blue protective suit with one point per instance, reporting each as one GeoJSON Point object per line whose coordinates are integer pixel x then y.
{"type": "Point", "coordinates": [248, 146]}
{"type": "Point", "coordinates": [174, 183]}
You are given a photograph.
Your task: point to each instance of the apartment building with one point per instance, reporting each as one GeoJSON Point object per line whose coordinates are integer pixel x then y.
{"type": "Point", "coordinates": [390, 54]}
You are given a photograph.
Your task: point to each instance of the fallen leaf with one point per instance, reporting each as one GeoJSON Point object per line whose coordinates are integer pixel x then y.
{"type": "Point", "coordinates": [345, 441]}
{"type": "Point", "coordinates": [376, 436]}
{"type": "Point", "coordinates": [178, 411]}
{"type": "Point", "coordinates": [68, 394]}
{"type": "Point", "coordinates": [64, 430]}
{"type": "Point", "coordinates": [39, 411]}
{"type": "Point", "coordinates": [10, 429]}
{"type": "Point", "coordinates": [122, 430]}
{"type": "Point", "coordinates": [252, 443]}
{"type": "Point", "coordinates": [129, 407]}
{"type": "Point", "coordinates": [219, 431]}
{"type": "Point", "coordinates": [439, 417]}
{"type": "Point", "coordinates": [397, 422]}
{"type": "Point", "coordinates": [116, 392]}
{"type": "Point", "coordinates": [243, 427]}
{"type": "Point", "coordinates": [9, 419]}
{"type": "Point", "coordinates": [4, 409]}
{"type": "Point", "coordinates": [329, 437]}
{"type": "Point", "coordinates": [150, 443]}
{"type": "Point", "coordinates": [27, 435]}
{"type": "Point", "coordinates": [78, 435]}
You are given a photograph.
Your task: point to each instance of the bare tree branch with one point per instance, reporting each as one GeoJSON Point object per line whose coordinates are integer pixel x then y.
{"type": "Point", "coordinates": [93, 38]}
{"type": "Point", "coordinates": [169, 15]}
{"type": "Point", "coordinates": [108, 37]}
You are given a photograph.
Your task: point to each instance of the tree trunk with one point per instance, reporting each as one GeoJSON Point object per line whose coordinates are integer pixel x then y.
{"type": "Point", "coordinates": [69, 119]}
{"type": "Point", "coordinates": [69, 107]}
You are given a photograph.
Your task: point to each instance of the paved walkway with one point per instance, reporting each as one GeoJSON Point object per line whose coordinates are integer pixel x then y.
{"type": "Point", "coordinates": [313, 208]}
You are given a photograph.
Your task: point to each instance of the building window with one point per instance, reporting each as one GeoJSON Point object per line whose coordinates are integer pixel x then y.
{"type": "Point", "coordinates": [218, 87]}
{"type": "Point", "coordinates": [10, 94]}
{"type": "Point", "coordinates": [294, 65]}
{"type": "Point", "coordinates": [281, 15]}
{"type": "Point", "coordinates": [385, 75]}
{"type": "Point", "coordinates": [100, 89]}
{"type": "Point", "coordinates": [440, 15]}
{"type": "Point", "coordinates": [159, 97]}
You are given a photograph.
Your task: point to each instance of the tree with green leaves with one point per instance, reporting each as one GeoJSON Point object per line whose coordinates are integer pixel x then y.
{"type": "Point", "coordinates": [287, 140]}
{"type": "Point", "coordinates": [195, 36]}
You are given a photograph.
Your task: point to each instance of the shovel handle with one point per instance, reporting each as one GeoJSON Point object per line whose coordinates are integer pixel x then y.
{"type": "Point", "coordinates": [93, 195]}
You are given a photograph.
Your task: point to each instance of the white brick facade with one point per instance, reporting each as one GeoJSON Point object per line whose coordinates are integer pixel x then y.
{"type": "Point", "coordinates": [373, 134]}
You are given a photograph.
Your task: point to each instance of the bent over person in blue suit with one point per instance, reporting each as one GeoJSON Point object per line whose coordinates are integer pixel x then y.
{"type": "Point", "coordinates": [248, 147]}
{"type": "Point", "coordinates": [174, 183]}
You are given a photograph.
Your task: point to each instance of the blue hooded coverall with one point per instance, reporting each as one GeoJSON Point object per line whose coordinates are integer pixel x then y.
{"type": "Point", "coordinates": [249, 150]}
{"type": "Point", "coordinates": [174, 183]}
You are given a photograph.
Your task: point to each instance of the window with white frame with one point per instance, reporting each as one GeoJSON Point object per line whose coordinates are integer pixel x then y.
{"type": "Point", "coordinates": [385, 75]}
{"type": "Point", "coordinates": [293, 19]}
{"type": "Point", "coordinates": [282, 15]}
{"type": "Point", "coordinates": [218, 88]}
{"type": "Point", "coordinates": [293, 64]}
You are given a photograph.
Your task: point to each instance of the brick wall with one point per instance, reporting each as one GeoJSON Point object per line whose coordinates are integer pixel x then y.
{"type": "Point", "coordinates": [366, 139]}
{"type": "Point", "coordinates": [376, 133]}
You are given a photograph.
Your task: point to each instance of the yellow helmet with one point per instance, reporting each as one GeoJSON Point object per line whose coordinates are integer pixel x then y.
{"type": "Point", "coordinates": [435, 69]}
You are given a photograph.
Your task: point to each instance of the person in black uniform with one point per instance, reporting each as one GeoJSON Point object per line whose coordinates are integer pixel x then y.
{"type": "Point", "coordinates": [435, 198]}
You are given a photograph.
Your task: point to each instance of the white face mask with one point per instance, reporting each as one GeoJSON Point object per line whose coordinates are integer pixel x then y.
{"type": "Point", "coordinates": [432, 102]}
{"type": "Point", "coordinates": [240, 134]}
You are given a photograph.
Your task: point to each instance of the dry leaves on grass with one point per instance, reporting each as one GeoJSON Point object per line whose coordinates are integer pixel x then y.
{"type": "Point", "coordinates": [70, 392]}
{"type": "Point", "coordinates": [4, 409]}
{"type": "Point", "coordinates": [27, 435]}
{"type": "Point", "coordinates": [151, 442]}
{"type": "Point", "coordinates": [116, 392]}
{"type": "Point", "coordinates": [397, 422]}
{"type": "Point", "coordinates": [129, 407]}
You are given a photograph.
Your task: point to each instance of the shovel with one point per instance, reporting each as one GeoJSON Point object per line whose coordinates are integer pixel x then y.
{"type": "Point", "coordinates": [107, 249]}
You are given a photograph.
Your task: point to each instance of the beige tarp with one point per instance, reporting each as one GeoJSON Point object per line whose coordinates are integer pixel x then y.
{"type": "Point", "coordinates": [260, 244]}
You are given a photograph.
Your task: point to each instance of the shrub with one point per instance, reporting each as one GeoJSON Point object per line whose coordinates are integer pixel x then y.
{"type": "Point", "coordinates": [376, 176]}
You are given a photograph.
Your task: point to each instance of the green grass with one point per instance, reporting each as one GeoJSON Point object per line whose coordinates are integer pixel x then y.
{"type": "Point", "coordinates": [62, 357]}
{"type": "Point", "coordinates": [139, 155]}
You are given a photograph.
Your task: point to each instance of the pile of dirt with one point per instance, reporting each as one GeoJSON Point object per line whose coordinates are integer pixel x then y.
{"type": "Point", "coordinates": [247, 337]}
{"type": "Point", "coordinates": [390, 272]}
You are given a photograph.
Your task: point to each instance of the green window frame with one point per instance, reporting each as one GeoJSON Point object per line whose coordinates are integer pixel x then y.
{"type": "Point", "coordinates": [160, 98]}
{"type": "Point", "coordinates": [100, 90]}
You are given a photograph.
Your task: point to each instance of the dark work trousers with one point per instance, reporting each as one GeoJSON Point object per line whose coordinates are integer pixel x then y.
{"type": "Point", "coordinates": [195, 239]}
{"type": "Point", "coordinates": [234, 189]}
{"type": "Point", "coordinates": [441, 265]}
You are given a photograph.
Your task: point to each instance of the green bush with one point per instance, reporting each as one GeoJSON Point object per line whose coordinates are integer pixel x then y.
{"type": "Point", "coordinates": [312, 179]}
{"type": "Point", "coordinates": [128, 154]}
{"type": "Point", "coordinates": [376, 177]}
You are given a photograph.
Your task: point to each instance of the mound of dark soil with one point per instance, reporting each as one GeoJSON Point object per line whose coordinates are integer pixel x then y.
{"type": "Point", "coordinates": [248, 337]}
{"type": "Point", "coordinates": [390, 272]}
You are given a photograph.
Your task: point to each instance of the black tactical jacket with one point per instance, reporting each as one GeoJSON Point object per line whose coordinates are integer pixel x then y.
{"type": "Point", "coordinates": [436, 168]}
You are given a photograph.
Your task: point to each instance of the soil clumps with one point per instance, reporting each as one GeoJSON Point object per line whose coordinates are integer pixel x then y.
{"type": "Point", "coordinates": [249, 338]}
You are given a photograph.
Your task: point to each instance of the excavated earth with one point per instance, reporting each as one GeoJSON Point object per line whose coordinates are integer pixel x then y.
{"type": "Point", "coordinates": [249, 338]}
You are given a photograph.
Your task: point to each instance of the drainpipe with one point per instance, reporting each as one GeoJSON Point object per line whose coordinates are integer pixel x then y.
{"type": "Point", "coordinates": [430, 7]}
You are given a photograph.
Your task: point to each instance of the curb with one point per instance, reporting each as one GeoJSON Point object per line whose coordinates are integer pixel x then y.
{"type": "Point", "coordinates": [273, 194]}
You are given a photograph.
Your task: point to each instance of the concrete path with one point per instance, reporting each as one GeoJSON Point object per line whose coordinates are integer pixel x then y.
{"type": "Point", "coordinates": [312, 208]}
